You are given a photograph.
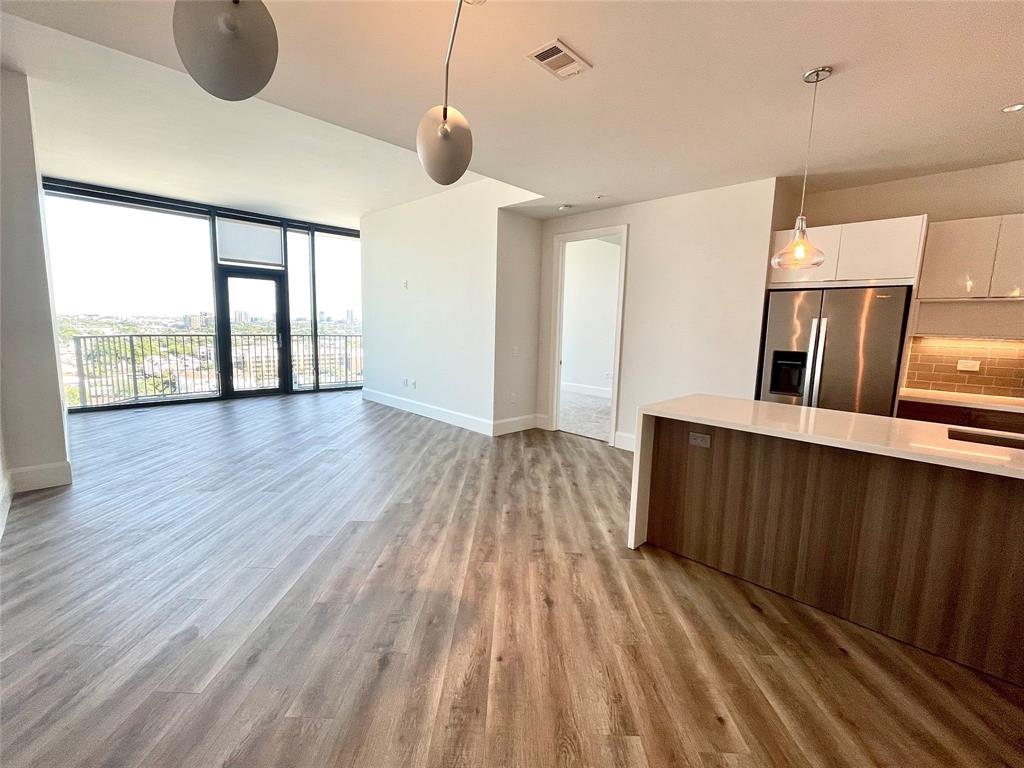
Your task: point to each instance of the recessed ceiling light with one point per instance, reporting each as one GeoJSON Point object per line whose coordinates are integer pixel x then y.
{"type": "Point", "coordinates": [1014, 107]}
{"type": "Point", "coordinates": [564, 207]}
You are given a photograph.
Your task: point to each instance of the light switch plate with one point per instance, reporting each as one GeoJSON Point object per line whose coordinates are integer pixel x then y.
{"type": "Point", "coordinates": [700, 440]}
{"type": "Point", "coordinates": [968, 365]}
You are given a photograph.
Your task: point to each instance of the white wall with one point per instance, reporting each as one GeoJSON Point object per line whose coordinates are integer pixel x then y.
{"type": "Point", "coordinates": [5, 481]}
{"type": "Point", "coordinates": [591, 296]}
{"type": "Point", "coordinates": [516, 322]}
{"type": "Point", "coordinates": [695, 280]}
{"type": "Point", "coordinates": [990, 190]}
{"type": "Point", "coordinates": [32, 405]}
{"type": "Point", "coordinates": [430, 271]}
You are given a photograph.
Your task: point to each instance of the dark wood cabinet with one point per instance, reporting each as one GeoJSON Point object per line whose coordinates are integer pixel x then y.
{"type": "Point", "coordinates": [961, 416]}
{"type": "Point", "coordinates": [928, 554]}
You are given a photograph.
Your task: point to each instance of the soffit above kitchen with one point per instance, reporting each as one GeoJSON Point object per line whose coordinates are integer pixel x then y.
{"type": "Point", "coordinates": [680, 97]}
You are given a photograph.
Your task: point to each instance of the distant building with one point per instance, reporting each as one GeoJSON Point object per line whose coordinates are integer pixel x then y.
{"type": "Point", "coordinates": [349, 316]}
{"type": "Point", "coordinates": [241, 317]}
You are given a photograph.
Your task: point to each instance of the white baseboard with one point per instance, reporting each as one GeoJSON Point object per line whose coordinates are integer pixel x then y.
{"type": "Point", "coordinates": [464, 420]}
{"type": "Point", "coordinates": [40, 476]}
{"type": "Point", "coordinates": [545, 421]}
{"type": "Point", "coordinates": [5, 506]}
{"type": "Point", "coordinates": [625, 441]}
{"type": "Point", "coordinates": [515, 424]}
{"type": "Point", "coordinates": [587, 389]}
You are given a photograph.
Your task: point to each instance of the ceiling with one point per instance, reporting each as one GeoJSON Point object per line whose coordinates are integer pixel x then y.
{"type": "Point", "coordinates": [107, 118]}
{"type": "Point", "coordinates": [682, 96]}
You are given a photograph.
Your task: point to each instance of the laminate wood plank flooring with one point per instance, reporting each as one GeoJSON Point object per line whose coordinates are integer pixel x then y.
{"type": "Point", "coordinates": [314, 581]}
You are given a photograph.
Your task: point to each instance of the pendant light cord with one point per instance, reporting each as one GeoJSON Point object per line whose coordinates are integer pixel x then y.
{"type": "Point", "coordinates": [448, 58]}
{"type": "Point", "coordinates": [807, 155]}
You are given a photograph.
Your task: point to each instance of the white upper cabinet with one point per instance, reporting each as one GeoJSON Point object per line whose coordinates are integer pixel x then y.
{"type": "Point", "coordinates": [827, 239]}
{"type": "Point", "coordinates": [1008, 272]}
{"type": "Point", "coordinates": [958, 258]}
{"type": "Point", "coordinates": [888, 249]}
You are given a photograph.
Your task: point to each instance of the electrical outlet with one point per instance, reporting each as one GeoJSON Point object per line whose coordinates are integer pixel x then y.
{"type": "Point", "coordinates": [513, 398]}
{"type": "Point", "coordinates": [515, 351]}
{"type": "Point", "coordinates": [968, 365]}
{"type": "Point", "coordinates": [412, 383]}
{"type": "Point", "coordinates": [405, 382]}
{"type": "Point", "coordinates": [700, 440]}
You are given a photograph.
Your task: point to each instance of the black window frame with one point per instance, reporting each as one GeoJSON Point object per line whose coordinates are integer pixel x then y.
{"type": "Point", "coordinates": [99, 193]}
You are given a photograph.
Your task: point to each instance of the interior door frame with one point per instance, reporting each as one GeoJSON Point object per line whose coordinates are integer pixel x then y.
{"type": "Point", "coordinates": [279, 278]}
{"type": "Point", "coordinates": [558, 286]}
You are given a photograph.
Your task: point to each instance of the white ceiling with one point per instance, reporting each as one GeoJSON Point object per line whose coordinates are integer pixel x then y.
{"type": "Point", "coordinates": [107, 118]}
{"type": "Point", "coordinates": [683, 95]}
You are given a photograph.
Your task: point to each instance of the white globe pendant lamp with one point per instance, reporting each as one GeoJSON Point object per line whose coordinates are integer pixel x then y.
{"type": "Point", "coordinates": [444, 141]}
{"type": "Point", "coordinates": [229, 47]}
{"type": "Point", "coordinates": [801, 253]}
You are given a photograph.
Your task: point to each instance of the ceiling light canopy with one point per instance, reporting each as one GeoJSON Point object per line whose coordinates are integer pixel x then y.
{"type": "Point", "coordinates": [229, 47]}
{"type": "Point", "coordinates": [801, 253]}
{"type": "Point", "coordinates": [444, 141]}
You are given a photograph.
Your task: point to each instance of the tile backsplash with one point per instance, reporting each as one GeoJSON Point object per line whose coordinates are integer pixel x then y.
{"type": "Point", "coordinates": [933, 362]}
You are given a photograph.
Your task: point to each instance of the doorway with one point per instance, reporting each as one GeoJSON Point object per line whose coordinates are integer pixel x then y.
{"type": "Point", "coordinates": [592, 273]}
{"type": "Point", "coordinates": [254, 328]}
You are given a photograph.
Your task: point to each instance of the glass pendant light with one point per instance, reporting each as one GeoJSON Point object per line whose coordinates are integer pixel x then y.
{"type": "Point", "coordinates": [801, 253]}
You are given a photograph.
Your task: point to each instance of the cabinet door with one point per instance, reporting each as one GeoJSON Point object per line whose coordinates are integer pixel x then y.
{"type": "Point", "coordinates": [881, 250]}
{"type": "Point", "coordinates": [958, 258]}
{"type": "Point", "coordinates": [824, 238]}
{"type": "Point", "coordinates": [1008, 273]}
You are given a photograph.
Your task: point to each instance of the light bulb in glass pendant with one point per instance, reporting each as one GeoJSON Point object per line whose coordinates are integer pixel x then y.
{"type": "Point", "coordinates": [800, 253]}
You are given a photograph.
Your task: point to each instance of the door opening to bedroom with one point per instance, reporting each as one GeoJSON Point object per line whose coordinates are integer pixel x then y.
{"type": "Point", "coordinates": [590, 308]}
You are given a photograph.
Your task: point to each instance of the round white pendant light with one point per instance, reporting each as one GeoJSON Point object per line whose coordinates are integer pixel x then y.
{"type": "Point", "coordinates": [229, 47]}
{"type": "Point", "coordinates": [444, 145]}
{"type": "Point", "coordinates": [444, 141]}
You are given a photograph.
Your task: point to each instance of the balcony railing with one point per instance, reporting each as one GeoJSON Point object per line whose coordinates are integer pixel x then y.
{"type": "Point", "coordinates": [135, 368]}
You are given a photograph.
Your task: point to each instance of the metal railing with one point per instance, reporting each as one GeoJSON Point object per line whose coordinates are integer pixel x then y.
{"type": "Point", "coordinates": [340, 357]}
{"type": "Point", "coordinates": [134, 368]}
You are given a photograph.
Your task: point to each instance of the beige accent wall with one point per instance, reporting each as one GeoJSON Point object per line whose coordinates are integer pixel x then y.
{"type": "Point", "coordinates": [990, 190]}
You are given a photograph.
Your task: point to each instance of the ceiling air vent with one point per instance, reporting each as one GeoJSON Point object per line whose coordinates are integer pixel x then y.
{"type": "Point", "coordinates": [559, 59]}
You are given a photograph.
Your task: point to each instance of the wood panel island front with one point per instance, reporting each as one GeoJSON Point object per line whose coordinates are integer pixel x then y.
{"type": "Point", "coordinates": [889, 523]}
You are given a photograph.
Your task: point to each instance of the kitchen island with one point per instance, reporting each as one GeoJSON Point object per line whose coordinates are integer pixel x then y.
{"type": "Point", "coordinates": [889, 523]}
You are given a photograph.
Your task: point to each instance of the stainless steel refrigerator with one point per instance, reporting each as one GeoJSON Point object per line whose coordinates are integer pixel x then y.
{"type": "Point", "coordinates": [834, 348]}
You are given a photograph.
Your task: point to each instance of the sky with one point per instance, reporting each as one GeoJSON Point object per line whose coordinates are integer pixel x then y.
{"type": "Point", "coordinates": [114, 260]}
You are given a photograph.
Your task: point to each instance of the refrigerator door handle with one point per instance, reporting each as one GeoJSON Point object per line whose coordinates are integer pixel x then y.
{"type": "Point", "coordinates": [819, 356]}
{"type": "Point", "coordinates": [809, 367]}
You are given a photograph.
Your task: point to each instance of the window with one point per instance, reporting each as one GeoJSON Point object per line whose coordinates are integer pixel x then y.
{"type": "Point", "coordinates": [300, 308]}
{"type": "Point", "coordinates": [339, 309]}
{"type": "Point", "coordinates": [243, 242]}
{"type": "Point", "coordinates": [133, 294]}
{"type": "Point", "coordinates": [160, 299]}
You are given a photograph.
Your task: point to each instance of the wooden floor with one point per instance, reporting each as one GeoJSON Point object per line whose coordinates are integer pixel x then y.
{"type": "Point", "coordinates": [318, 581]}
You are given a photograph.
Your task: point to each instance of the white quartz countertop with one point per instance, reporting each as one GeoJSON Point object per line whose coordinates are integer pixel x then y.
{"type": "Point", "coordinates": [900, 438]}
{"type": "Point", "coordinates": [986, 402]}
